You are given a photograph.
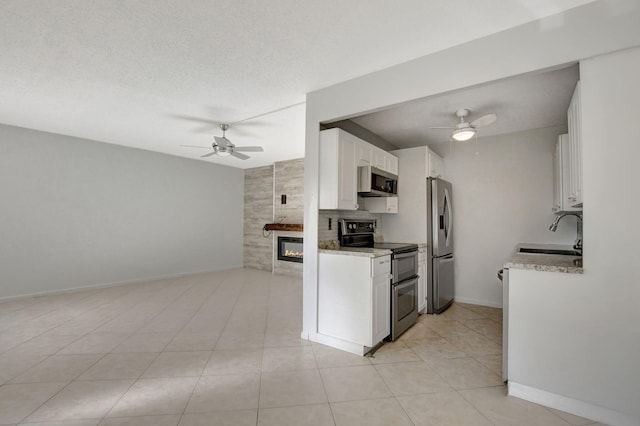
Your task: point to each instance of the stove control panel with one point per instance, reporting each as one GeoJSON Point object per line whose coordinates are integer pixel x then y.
{"type": "Point", "coordinates": [357, 226]}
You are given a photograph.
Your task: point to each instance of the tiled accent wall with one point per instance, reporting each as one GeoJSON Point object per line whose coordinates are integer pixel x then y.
{"type": "Point", "coordinates": [263, 188]}
{"type": "Point", "coordinates": [258, 210]}
{"type": "Point", "coordinates": [289, 180]}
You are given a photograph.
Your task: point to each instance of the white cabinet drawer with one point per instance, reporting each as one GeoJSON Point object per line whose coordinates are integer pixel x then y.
{"type": "Point", "coordinates": [380, 265]}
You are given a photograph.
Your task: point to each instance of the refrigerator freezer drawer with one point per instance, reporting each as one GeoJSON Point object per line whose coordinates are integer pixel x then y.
{"type": "Point", "coordinates": [442, 283]}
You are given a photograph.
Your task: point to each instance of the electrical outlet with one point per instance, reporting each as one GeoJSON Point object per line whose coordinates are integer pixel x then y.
{"type": "Point", "coordinates": [283, 199]}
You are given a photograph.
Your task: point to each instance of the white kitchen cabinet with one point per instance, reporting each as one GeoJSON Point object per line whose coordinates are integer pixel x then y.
{"type": "Point", "coordinates": [558, 177]}
{"type": "Point", "coordinates": [410, 223]}
{"type": "Point", "coordinates": [364, 153]}
{"type": "Point", "coordinates": [381, 204]}
{"type": "Point", "coordinates": [378, 158]}
{"type": "Point", "coordinates": [384, 160]}
{"type": "Point", "coordinates": [561, 171]}
{"type": "Point", "coordinates": [391, 163]}
{"type": "Point", "coordinates": [435, 165]}
{"type": "Point", "coordinates": [354, 295]}
{"type": "Point", "coordinates": [574, 122]}
{"type": "Point", "coordinates": [338, 171]}
{"type": "Point", "coordinates": [423, 270]}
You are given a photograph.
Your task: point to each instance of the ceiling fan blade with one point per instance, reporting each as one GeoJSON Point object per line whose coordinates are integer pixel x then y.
{"type": "Point", "coordinates": [196, 146]}
{"type": "Point", "coordinates": [208, 155]}
{"type": "Point", "coordinates": [249, 148]}
{"type": "Point", "coordinates": [195, 119]}
{"type": "Point", "coordinates": [222, 141]}
{"type": "Point", "coordinates": [240, 156]}
{"type": "Point", "coordinates": [485, 120]}
{"type": "Point", "coordinates": [449, 128]}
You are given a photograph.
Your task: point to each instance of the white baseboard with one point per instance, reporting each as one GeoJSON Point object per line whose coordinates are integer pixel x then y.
{"type": "Point", "coordinates": [477, 302]}
{"type": "Point", "coordinates": [334, 342]}
{"type": "Point", "coordinates": [110, 284]}
{"type": "Point", "coordinates": [570, 405]}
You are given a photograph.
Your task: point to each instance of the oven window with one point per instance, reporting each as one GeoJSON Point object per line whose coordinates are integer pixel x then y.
{"type": "Point", "coordinates": [406, 300]}
{"type": "Point", "coordinates": [406, 267]}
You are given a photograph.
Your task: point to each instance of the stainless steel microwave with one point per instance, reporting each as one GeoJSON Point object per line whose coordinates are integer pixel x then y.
{"type": "Point", "coordinates": [373, 182]}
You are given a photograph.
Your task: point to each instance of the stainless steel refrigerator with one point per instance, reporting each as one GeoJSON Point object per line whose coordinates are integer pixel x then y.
{"type": "Point", "coordinates": [440, 236]}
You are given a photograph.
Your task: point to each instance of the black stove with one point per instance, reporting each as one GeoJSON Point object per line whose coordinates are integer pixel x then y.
{"type": "Point", "coordinates": [359, 233]}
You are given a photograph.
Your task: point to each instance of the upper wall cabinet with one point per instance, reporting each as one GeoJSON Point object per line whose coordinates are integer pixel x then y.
{"type": "Point", "coordinates": [384, 160]}
{"type": "Point", "coordinates": [574, 122]}
{"type": "Point", "coordinates": [341, 154]}
{"type": "Point", "coordinates": [364, 153]}
{"type": "Point", "coordinates": [381, 204]}
{"type": "Point", "coordinates": [390, 163]}
{"type": "Point", "coordinates": [338, 170]}
{"type": "Point", "coordinates": [561, 174]}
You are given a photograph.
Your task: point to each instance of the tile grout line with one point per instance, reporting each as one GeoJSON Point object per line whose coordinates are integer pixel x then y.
{"type": "Point", "coordinates": [80, 374]}
{"type": "Point", "coordinates": [140, 376]}
{"type": "Point", "coordinates": [324, 388]}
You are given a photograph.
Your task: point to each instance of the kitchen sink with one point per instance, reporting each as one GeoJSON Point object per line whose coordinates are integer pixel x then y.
{"type": "Point", "coordinates": [549, 251]}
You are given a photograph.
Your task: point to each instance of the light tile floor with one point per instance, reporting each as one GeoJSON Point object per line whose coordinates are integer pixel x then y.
{"type": "Point", "coordinates": [224, 349]}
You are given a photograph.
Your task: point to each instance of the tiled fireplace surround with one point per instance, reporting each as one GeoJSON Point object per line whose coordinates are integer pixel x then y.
{"type": "Point", "coordinates": [263, 188]}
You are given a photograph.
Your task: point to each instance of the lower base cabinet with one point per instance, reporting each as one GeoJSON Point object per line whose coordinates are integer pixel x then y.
{"type": "Point", "coordinates": [354, 301]}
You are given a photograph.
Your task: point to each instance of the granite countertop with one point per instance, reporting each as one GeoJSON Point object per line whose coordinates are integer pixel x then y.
{"type": "Point", "coordinates": [544, 262]}
{"type": "Point", "coordinates": [356, 251]}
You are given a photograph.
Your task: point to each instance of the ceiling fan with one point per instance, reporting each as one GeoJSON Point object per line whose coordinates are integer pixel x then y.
{"type": "Point", "coordinates": [465, 130]}
{"type": "Point", "coordinates": [223, 147]}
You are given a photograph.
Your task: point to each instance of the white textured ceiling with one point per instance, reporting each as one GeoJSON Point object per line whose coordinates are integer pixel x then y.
{"type": "Point", "coordinates": [524, 102]}
{"type": "Point", "coordinates": [146, 73]}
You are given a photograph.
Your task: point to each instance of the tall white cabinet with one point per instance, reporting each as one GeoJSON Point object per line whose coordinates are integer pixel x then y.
{"type": "Point", "coordinates": [435, 165]}
{"type": "Point", "coordinates": [410, 223]}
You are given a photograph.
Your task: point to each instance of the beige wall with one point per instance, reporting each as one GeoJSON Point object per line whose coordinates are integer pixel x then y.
{"type": "Point", "coordinates": [79, 213]}
{"type": "Point", "coordinates": [501, 197]}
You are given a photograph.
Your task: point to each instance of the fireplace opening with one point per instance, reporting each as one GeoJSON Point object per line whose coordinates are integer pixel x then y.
{"type": "Point", "coordinates": [290, 249]}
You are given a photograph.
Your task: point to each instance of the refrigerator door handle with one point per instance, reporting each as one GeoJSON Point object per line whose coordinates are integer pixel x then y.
{"type": "Point", "coordinates": [447, 205]}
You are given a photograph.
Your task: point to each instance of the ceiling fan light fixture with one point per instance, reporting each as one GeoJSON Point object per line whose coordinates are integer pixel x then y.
{"type": "Point", "coordinates": [223, 152]}
{"type": "Point", "coordinates": [463, 134]}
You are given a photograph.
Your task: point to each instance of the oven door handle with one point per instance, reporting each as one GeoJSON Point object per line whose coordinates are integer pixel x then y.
{"type": "Point", "coordinates": [404, 284]}
{"type": "Point", "coordinates": [406, 254]}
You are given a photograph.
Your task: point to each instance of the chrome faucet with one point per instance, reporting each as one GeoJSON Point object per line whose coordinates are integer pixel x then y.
{"type": "Point", "coordinates": [554, 226]}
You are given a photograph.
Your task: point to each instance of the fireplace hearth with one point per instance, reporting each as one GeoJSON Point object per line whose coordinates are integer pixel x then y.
{"type": "Point", "coordinates": [290, 249]}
